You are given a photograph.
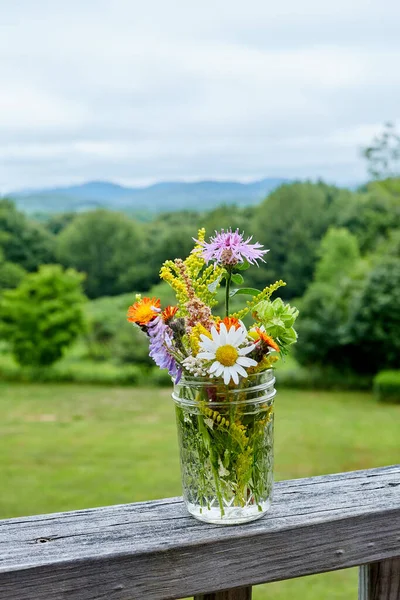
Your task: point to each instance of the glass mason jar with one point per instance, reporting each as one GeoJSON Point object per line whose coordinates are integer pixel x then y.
{"type": "Point", "coordinates": [226, 446]}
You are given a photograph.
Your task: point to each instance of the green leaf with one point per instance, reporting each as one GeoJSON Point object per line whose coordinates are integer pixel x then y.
{"type": "Point", "coordinates": [237, 278]}
{"type": "Point", "coordinates": [243, 266]}
{"type": "Point", "coordinates": [249, 291]}
{"type": "Point", "coordinates": [244, 291]}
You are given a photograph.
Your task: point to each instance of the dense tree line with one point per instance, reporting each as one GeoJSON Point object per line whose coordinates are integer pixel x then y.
{"type": "Point", "coordinates": [338, 250]}
{"type": "Point", "coordinates": [119, 254]}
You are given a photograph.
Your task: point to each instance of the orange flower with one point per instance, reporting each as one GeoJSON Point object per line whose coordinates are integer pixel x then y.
{"type": "Point", "coordinates": [142, 312]}
{"type": "Point", "coordinates": [267, 339]}
{"type": "Point", "coordinates": [229, 322]}
{"type": "Point", "coordinates": [168, 313]}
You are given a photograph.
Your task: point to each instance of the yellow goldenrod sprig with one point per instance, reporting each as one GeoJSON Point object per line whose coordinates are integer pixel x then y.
{"type": "Point", "coordinates": [192, 274]}
{"type": "Point", "coordinates": [211, 275]}
{"type": "Point", "coordinates": [168, 274]}
{"type": "Point", "coordinates": [195, 262]}
{"type": "Point", "coordinates": [237, 430]}
{"type": "Point", "coordinates": [215, 416]}
{"type": "Point", "coordinates": [238, 433]}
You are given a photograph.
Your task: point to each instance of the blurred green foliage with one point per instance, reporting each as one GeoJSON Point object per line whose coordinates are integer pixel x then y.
{"type": "Point", "coordinates": [43, 315]}
{"type": "Point", "coordinates": [383, 154]}
{"type": "Point", "coordinates": [23, 241]}
{"type": "Point", "coordinates": [291, 222]}
{"type": "Point", "coordinates": [350, 315]}
{"type": "Point", "coordinates": [337, 249]}
{"type": "Point", "coordinates": [74, 371]}
{"type": "Point", "coordinates": [11, 274]}
{"type": "Point", "coordinates": [371, 216]}
{"type": "Point", "coordinates": [373, 329]}
{"type": "Point", "coordinates": [387, 386]}
{"type": "Point", "coordinates": [107, 246]}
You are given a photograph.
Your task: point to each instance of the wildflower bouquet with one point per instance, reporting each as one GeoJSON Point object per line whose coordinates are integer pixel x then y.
{"type": "Point", "coordinates": [222, 370]}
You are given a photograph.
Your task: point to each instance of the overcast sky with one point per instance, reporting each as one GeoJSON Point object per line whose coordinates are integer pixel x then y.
{"type": "Point", "coordinates": [136, 92]}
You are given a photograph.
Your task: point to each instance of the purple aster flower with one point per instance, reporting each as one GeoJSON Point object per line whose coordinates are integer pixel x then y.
{"type": "Point", "coordinates": [160, 340]}
{"type": "Point", "coordinates": [229, 248]}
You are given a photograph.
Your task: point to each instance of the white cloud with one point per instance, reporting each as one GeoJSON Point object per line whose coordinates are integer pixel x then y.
{"type": "Point", "coordinates": [135, 92]}
{"type": "Point", "coordinates": [26, 108]}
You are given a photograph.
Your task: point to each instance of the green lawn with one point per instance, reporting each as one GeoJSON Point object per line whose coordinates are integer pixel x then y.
{"type": "Point", "coordinates": [66, 447]}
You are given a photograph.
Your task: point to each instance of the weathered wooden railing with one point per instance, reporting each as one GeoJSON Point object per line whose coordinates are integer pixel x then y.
{"type": "Point", "coordinates": [154, 550]}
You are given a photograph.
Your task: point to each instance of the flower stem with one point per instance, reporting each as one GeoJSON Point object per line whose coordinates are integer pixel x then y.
{"type": "Point", "coordinates": [228, 278]}
{"type": "Point", "coordinates": [213, 461]}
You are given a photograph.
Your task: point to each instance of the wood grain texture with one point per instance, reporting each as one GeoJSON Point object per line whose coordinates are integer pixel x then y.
{"type": "Point", "coordinates": [156, 551]}
{"type": "Point", "coordinates": [237, 594]}
{"type": "Point", "coordinates": [380, 580]}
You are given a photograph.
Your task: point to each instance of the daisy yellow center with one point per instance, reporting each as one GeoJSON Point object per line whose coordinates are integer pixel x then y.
{"type": "Point", "coordinates": [227, 355]}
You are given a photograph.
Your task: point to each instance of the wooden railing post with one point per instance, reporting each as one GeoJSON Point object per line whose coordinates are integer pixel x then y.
{"type": "Point", "coordinates": [380, 580]}
{"type": "Point", "coordinates": [243, 593]}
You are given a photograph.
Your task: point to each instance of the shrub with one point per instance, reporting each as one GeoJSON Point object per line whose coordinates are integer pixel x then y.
{"type": "Point", "coordinates": [101, 374]}
{"type": "Point", "coordinates": [80, 372]}
{"type": "Point", "coordinates": [131, 346]}
{"type": "Point", "coordinates": [318, 378]}
{"type": "Point", "coordinates": [43, 316]}
{"type": "Point", "coordinates": [11, 274]}
{"type": "Point", "coordinates": [158, 377]}
{"type": "Point", "coordinates": [387, 386]}
{"type": "Point", "coordinates": [110, 336]}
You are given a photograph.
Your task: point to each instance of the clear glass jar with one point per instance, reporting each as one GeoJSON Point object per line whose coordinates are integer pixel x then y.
{"type": "Point", "coordinates": [226, 446]}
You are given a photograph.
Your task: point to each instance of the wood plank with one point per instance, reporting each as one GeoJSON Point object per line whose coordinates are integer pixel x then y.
{"type": "Point", "coordinates": [380, 580]}
{"type": "Point", "coordinates": [236, 594]}
{"type": "Point", "coordinates": [156, 551]}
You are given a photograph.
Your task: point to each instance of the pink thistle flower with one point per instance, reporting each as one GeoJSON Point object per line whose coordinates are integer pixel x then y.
{"type": "Point", "coordinates": [230, 248]}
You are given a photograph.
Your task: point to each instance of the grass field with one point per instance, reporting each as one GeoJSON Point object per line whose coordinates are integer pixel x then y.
{"type": "Point", "coordinates": [66, 447]}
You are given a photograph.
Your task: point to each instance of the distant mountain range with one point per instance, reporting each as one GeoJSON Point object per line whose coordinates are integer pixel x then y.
{"type": "Point", "coordinates": [160, 197]}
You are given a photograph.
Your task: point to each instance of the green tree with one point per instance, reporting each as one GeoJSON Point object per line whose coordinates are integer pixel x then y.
{"type": "Point", "coordinates": [171, 235]}
{"type": "Point", "coordinates": [373, 328]}
{"type": "Point", "coordinates": [390, 246]}
{"type": "Point", "coordinates": [10, 274]}
{"type": "Point", "coordinates": [338, 254]}
{"type": "Point", "coordinates": [56, 223]}
{"type": "Point", "coordinates": [383, 154]}
{"type": "Point", "coordinates": [167, 243]}
{"type": "Point", "coordinates": [107, 246]}
{"type": "Point", "coordinates": [226, 217]}
{"type": "Point", "coordinates": [291, 222]}
{"type": "Point", "coordinates": [350, 315]}
{"type": "Point", "coordinates": [325, 307]}
{"type": "Point", "coordinates": [24, 242]}
{"type": "Point", "coordinates": [372, 215]}
{"type": "Point", "coordinates": [43, 316]}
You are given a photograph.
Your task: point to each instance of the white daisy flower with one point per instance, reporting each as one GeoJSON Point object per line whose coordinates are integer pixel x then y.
{"type": "Point", "coordinates": [225, 350]}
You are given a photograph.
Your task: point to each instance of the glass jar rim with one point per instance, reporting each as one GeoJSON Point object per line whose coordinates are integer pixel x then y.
{"type": "Point", "coordinates": [233, 392]}
{"type": "Point", "coordinates": [201, 381]}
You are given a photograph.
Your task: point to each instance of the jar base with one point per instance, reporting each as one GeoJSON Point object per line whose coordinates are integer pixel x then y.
{"type": "Point", "coordinates": [233, 515]}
